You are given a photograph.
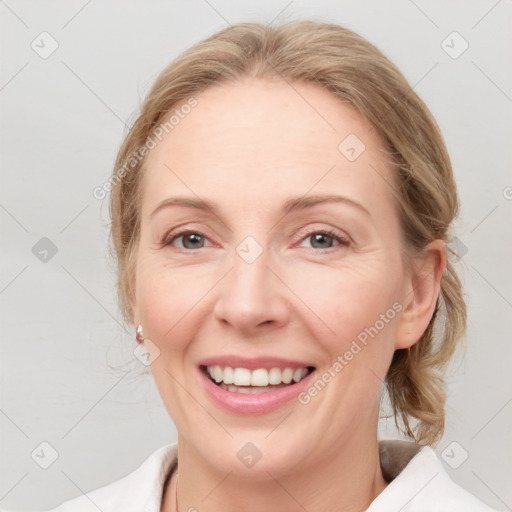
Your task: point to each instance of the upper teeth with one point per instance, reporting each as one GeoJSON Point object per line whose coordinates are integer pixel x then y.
{"type": "Point", "coordinates": [259, 377]}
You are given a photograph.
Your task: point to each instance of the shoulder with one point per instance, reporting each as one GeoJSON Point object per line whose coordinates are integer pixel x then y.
{"type": "Point", "coordinates": [420, 482]}
{"type": "Point", "coordinates": [139, 490]}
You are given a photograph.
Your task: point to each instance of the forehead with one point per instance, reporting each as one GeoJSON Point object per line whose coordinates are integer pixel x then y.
{"type": "Point", "coordinates": [258, 139]}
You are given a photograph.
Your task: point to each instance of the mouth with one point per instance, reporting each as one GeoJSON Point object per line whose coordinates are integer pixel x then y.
{"type": "Point", "coordinates": [255, 381]}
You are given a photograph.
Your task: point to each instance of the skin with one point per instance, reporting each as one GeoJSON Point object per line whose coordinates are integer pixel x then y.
{"type": "Point", "coordinates": [249, 146]}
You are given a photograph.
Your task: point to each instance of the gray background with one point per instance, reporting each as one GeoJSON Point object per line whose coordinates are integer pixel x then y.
{"type": "Point", "coordinates": [69, 376]}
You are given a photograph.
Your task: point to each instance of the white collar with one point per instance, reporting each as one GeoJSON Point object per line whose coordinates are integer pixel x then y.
{"type": "Point", "coordinates": [418, 482]}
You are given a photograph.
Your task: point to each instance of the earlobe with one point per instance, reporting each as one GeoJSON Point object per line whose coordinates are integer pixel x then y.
{"type": "Point", "coordinates": [421, 294]}
{"type": "Point", "coordinates": [135, 315]}
{"type": "Point", "coordinates": [133, 304]}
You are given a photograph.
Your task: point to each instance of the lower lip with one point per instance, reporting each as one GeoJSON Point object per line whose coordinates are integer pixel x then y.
{"type": "Point", "coordinates": [260, 403]}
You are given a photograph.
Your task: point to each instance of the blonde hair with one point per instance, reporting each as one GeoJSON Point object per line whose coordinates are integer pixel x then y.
{"type": "Point", "coordinates": [354, 70]}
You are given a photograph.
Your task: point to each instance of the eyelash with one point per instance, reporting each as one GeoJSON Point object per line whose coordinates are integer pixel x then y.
{"type": "Point", "coordinates": [342, 241]}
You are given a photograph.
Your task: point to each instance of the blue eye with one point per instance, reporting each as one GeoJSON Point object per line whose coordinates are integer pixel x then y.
{"type": "Point", "coordinates": [325, 239]}
{"type": "Point", "coordinates": [192, 240]}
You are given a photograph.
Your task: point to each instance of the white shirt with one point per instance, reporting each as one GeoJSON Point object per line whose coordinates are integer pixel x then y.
{"type": "Point", "coordinates": [418, 483]}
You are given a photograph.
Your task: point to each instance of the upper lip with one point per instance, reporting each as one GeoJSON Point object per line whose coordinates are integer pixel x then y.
{"type": "Point", "coordinates": [253, 363]}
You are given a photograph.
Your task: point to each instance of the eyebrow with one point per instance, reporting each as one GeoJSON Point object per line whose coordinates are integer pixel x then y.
{"type": "Point", "coordinates": [292, 204]}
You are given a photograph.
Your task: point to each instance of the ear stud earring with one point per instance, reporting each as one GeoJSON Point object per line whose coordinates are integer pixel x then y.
{"type": "Point", "coordinates": [139, 336]}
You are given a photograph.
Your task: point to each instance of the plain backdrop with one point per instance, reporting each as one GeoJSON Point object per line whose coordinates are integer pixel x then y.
{"type": "Point", "coordinates": [69, 377]}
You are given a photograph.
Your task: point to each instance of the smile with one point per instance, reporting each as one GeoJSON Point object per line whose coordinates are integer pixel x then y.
{"type": "Point", "coordinates": [249, 387]}
{"type": "Point", "coordinates": [259, 380]}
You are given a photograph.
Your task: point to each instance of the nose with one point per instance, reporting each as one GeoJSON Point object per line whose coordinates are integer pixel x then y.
{"type": "Point", "coordinates": [252, 296]}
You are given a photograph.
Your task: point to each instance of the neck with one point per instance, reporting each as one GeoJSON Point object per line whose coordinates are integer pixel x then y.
{"type": "Point", "coordinates": [348, 482]}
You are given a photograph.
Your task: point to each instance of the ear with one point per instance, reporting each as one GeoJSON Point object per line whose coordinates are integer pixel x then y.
{"type": "Point", "coordinates": [135, 313]}
{"type": "Point", "coordinates": [421, 292]}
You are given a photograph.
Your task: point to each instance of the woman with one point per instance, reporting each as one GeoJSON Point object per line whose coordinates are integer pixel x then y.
{"type": "Point", "coordinates": [280, 211]}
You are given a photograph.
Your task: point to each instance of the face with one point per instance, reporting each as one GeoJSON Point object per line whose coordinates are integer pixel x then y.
{"type": "Point", "coordinates": [270, 279]}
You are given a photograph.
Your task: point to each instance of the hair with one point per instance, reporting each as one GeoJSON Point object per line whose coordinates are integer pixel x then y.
{"type": "Point", "coordinates": [344, 63]}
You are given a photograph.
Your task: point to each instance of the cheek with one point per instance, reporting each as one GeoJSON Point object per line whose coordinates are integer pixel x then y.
{"type": "Point", "coordinates": [168, 298]}
{"type": "Point", "coordinates": [345, 301]}
{"type": "Point", "coordinates": [169, 304]}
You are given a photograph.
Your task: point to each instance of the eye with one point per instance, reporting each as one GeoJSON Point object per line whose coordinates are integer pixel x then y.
{"type": "Point", "coordinates": [190, 240]}
{"type": "Point", "coordinates": [326, 239]}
